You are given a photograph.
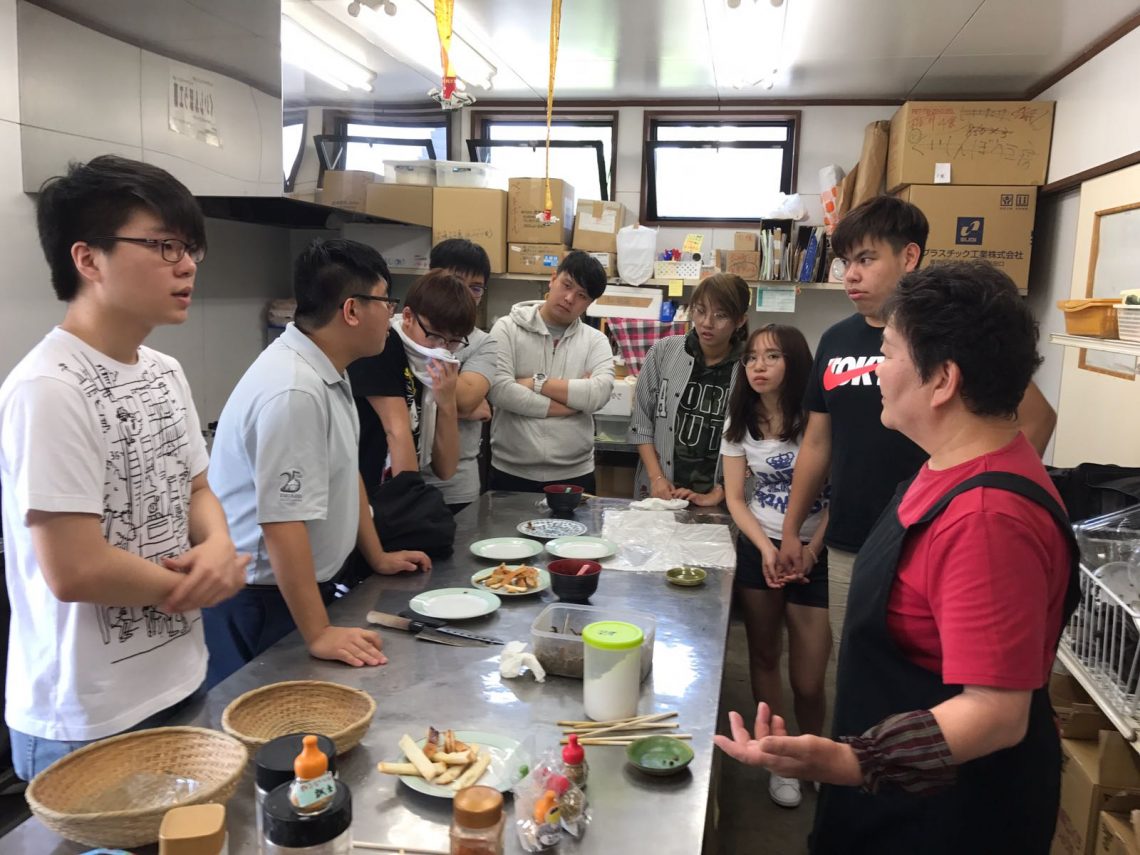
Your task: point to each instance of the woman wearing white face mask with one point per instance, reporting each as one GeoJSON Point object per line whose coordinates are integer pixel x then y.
{"type": "Point", "coordinates": [682, 395]}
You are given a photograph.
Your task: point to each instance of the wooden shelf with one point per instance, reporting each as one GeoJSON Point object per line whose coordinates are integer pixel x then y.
{"type": "Point", "coordinates": [659, 283]}
{"type": "Point", "coordinates": [1108, 345]}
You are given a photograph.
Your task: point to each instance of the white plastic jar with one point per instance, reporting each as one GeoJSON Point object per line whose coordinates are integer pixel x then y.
{"type": "Point", "coordinates": [611, 680]}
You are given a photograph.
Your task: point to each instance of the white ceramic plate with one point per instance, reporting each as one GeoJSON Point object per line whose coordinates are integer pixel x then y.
{"type": "Point", "coordinates": [543, 582]}
{"type": "Point", "coordinates": [506, 548]}
{"type": "Point", "coordinates": [547, 529]}
{"type": "Point", "coordinates": [592, 548]}
{"type": "Point", "coordinates": [502, 774]}
{"type": "Point", "coordinates": [455, 603]}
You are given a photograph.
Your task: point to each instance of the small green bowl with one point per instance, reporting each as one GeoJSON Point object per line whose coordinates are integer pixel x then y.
{"type": "Point", "coordinates": [686, 577]}
{"type": "Point", "coordinates": [659, 755]}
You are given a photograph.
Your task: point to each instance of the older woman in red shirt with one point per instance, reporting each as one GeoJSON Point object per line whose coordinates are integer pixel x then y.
{"type": "Point", "coordinates": [945, 739]}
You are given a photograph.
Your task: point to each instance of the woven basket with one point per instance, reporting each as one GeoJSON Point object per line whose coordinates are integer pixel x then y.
{"type": "Point", "coordinates": [62, 794]}
{"type": "Point", "coordinates": [300, 706]}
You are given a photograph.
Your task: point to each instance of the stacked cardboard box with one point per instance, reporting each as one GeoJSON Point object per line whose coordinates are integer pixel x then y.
{"type": "Point", "coordinates": [1096, 775]}
{"type": "Point", "coordinates": [477, 214]}
{"type": "Point", "coordinates": [973, 167]}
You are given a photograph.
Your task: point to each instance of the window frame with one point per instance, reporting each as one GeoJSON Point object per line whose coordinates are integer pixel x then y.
{"type": "Point", "coordinates": [654, 119]}
{"type": "Point", "coordinates": [292, 117]}
{"type": "Point", "coordinates": [596, 145]}
{"type": "Point", "coordinates": [322, 157]}
{"type": "Point", "coordinates": [590, 118]}
{"type": "Point", "coordinates": [335, 123]}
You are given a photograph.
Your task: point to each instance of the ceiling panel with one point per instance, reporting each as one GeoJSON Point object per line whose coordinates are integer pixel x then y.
{"type": "Point", "coordinates": [832, 77]}
{"type": "Point", "coordinates": [989, 74]}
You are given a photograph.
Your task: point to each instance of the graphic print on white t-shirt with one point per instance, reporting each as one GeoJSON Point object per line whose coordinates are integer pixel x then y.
{"type": "Point", "coordinates": [146, 469]}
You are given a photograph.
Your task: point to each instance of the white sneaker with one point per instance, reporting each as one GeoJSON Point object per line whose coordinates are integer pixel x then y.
{"type": "Point", "coordinates": [784, 791]}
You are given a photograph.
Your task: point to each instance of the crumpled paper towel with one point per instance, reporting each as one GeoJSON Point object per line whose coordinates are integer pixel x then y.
{"type": "Point", "coordinates": [514, 658]}
{"type": "Point", "coordinates": [655, 504]}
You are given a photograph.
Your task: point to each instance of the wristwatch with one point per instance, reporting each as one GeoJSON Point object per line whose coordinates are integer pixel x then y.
{"type": "Point", "coordinates": [539, 379]}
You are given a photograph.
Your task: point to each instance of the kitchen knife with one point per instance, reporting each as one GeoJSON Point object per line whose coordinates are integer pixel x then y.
{"type": "Point", "coordinates": [425, 632]}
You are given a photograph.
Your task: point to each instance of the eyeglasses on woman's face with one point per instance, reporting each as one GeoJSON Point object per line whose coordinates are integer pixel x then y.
{"type": "Point", "coordinates": [437, 340]}
{"type": "Point", "coordinates": [767, 357]}
{"type": "Point", "coordinates": [702, 313]}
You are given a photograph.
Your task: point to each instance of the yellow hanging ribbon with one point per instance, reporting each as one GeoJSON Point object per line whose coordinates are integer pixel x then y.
{"type": "Point", "coordinates": [444, 13]}
{"type": "Point", "coordinates": [555, 30]}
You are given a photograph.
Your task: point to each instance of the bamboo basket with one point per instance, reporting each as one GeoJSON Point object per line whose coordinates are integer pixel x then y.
{"type": "Point", "coordinates": [300, 706]}
{"type": "Point", "coordinates": [62, 794]}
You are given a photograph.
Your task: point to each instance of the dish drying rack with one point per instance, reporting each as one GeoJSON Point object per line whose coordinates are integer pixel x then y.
{"type": "Point", "coordinates": [1100, 645]}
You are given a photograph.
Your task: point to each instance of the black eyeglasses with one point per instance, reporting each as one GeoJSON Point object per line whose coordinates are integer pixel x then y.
{"type": "Point", "coordinates": [392, 302]}
{"type": "Point", "coordinates": [437, 340]}
{"type": "Point", "coordinates": [172, 249]}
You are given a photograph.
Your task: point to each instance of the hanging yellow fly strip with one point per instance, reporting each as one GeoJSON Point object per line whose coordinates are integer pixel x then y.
{"type": "Point", "coordinates": [547, 215]}
{"type": "Point", "coordinates": [444, 13]}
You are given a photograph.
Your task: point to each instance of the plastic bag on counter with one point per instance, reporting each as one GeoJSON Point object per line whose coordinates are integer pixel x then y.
{"type": "Point", "coordinates": [548, 807]}
{"type": "Point", "coordinates": [656, 541]}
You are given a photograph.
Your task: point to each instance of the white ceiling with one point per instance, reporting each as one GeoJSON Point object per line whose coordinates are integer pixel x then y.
{"type": "Point", "coordinates": [658, 49]}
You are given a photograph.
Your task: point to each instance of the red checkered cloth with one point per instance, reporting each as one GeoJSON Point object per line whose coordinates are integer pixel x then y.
{"type": "Point", "coordinates": [635, 337]}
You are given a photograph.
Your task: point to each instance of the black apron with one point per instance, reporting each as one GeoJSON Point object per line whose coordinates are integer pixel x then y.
{"type": "Point", "coordinates": [1005, 802]}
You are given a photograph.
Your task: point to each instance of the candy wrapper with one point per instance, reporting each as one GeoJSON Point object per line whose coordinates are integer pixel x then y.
{"type": "Point", "coordinates": [548, 807]}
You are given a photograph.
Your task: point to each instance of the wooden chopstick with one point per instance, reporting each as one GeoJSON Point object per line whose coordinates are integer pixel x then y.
{"type": "Point", "coordinates": [647, 725]}
{"type": "Point", "coordinates": [632, 720]}
{"type": "Point", "coordinates": [621, 740]}
{"type": "Point", "coordinates": [400, 850]}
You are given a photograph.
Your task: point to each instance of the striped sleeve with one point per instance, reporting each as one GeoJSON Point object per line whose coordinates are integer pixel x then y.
{"type": "Point", "coordinates": [907, 751]}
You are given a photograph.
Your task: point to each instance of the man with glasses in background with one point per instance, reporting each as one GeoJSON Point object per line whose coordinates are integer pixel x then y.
{"type": "Point", "coordinates": [469, 262]}
{"type": "Point", "coordinates": [113, 538]}
{"type": "Point", "coordinates": [285, 467]}
{"type": "Point", "coordinates": [553, 373]}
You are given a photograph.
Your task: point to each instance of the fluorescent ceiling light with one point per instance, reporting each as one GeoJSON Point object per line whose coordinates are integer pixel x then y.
{"type": "Point", "coordinates": [411, 35]}
{"type": "Point", "coordinates": [303, 49]}
{"type": "Point", "coordinates": [749, 38]}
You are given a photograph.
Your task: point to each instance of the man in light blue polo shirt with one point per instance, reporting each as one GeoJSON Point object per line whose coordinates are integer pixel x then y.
{"type": "Point", "coordinates": [284, 466]}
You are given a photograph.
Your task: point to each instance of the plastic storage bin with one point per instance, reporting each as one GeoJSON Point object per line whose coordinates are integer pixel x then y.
{"type": "Point", "coordinates": [464, 173]}
{"type": "Point", "coordinates": [421, 172]}
{"type": "Point", "coordinates": [1128, 322]}
{"type": "Point", "coordinates": [1094, 318]}
{"type": "Point", "coordinates": [557, 636]}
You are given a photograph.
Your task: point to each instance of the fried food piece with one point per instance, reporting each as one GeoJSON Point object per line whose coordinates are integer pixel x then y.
{"type": "Point", "coordinates": [408, 769]}
{"type": "Point", "coordinates": [474, 772]}
{"type": "Point", "coordinates": [418, 758]}
{"type": "Point", "coordinates": [432, 744]}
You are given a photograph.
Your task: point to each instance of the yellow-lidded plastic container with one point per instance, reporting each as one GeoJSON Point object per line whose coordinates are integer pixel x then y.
{"type": "Point", "coordinates": [1091, 317]}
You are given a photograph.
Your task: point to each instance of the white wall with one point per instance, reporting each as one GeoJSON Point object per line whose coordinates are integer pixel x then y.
{"type": "Point", "coordinates": [1095, 122]}
{"type": "Point", "coordinates": [246, 266]}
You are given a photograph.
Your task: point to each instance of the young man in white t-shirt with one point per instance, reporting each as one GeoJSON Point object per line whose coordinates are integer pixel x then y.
{"type": "Point", "coordinates": [112, 538]}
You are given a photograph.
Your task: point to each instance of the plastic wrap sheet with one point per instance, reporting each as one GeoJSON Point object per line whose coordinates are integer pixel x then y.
{"type": "Point", "coordinates": [657, 540]}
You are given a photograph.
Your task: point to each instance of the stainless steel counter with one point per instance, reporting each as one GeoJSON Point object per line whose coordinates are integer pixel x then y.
{"type": "Point", "coordinates": [427, 683]}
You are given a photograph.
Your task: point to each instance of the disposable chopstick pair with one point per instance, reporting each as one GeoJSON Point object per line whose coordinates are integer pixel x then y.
{"type": "Point", "coordinates": [399, 850]}
{"type": "Point", "coordinates": [617, 722]}
{"type": "Point", "coordinates": [621, 740]}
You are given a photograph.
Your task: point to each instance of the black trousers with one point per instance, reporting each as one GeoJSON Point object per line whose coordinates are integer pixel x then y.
{"type": "Point", "coordinates": [502, 481]}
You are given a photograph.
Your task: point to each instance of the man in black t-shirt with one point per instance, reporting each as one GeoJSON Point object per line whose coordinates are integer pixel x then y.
{"type": "Point", "coordinates": [880, 241]}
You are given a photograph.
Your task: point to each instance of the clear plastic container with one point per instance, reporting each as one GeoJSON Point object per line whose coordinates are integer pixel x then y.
{"type": "Point", "coordinates": [611, 683]}
{"type": "Point", "coordinates": [421, 172]}
{"type": "Point", "coordinates": [465, 173]}
{"type": "Point", "coordinates": [557, 636]}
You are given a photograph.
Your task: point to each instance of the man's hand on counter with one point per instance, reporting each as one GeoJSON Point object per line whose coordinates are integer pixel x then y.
{"type": "Point", "coordinates": [401, 561]}
{"type": "Point", "coordinates": [357, 647]}
{"type": "Point", "coordinates": [214, 571]}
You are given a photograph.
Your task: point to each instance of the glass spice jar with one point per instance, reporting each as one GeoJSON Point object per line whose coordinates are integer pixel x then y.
{"type": "Point", "coordinates": [477, 822]}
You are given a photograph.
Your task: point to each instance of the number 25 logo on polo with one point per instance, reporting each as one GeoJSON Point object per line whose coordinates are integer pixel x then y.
{"type": "Point", "coordinates": [291, 484]}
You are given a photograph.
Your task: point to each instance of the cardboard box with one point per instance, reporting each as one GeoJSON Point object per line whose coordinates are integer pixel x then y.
{"type": "Point", "coordinates": [747, 241]}
{"type": "Point", "coordinates": [983, 142]}
{"type": "Point", "coordinates": [1115, 836]}
{"type": "Point", "coordinates": [744, 263]}
{"type": "Point", "coordinates": [1095, 776]}
{"type": "Point", "coordinates": [347, 188]}
{"type": "Point", "coordinates": [613, 481]}
{"type": "Point", "coordinates": [477, 214]}
{"type": "Point", "coordinates": [526, 199]}
{"type": "Point", "coordinates": [969, 223]}
{"type": "Point", "coordinates": [596, 225]}
{"type": "Point", "coordinates": [608, 260]}
{"type": "Point", "coordinates": [1077, 713]}
{"type": "Point", "coordinates": [404, 203]}
{"type": "Point", "coordinates": [538, 258]}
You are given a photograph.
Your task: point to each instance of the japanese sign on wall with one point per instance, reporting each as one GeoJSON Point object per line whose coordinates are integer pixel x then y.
{"type": "Point", "coordinates": [191, 101]}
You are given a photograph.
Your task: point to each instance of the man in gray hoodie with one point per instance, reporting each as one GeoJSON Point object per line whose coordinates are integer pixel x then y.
{"type": "Point", "coordinates": [553, 373]}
